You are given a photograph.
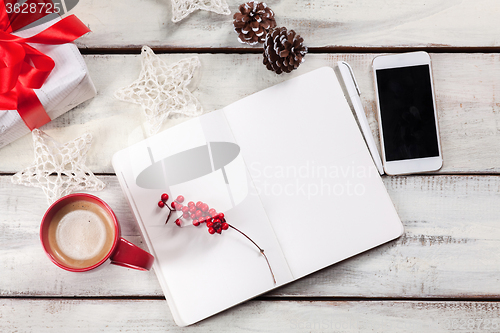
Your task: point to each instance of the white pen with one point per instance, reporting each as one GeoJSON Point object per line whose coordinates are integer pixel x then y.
{"type": "Point", "coordinates": [354, 94]}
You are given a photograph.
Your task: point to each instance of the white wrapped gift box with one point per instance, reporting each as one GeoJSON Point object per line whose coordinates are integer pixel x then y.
{"type": "Point", "coordinates": [68, 85]}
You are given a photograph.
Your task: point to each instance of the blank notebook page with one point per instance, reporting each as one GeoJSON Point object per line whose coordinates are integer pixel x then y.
{"type": "Point", "coordinates": [312, 171]}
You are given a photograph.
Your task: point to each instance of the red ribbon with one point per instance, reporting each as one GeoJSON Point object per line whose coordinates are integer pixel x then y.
{"type": "Point", "coordinates": [24, 68]}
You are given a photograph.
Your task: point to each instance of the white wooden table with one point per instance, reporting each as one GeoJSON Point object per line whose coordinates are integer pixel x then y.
{"type": "Point", "coordinates": [442, 275]}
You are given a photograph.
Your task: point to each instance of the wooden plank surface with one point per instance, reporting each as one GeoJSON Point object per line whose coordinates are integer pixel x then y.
{"type": "Point", "coordinates": [467, 89]}
{"type": "Point", "coordinates": [451, 247]}
{"type": "Point", "coordinates": [322, 23]}
{"type": "Point", "coordinates": [425, 281]}
{"type": "Point", "coordinates": [67, 315]}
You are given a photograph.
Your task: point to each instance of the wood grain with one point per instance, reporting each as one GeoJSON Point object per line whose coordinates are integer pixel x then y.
{"type": "Point", "coordinates": [451, 247]}
{"type": "Point", "coordinates": [467, 89]}
{"type": "Point", "coordinates": [67, 315]}
{"type": "Point", "coordinates": [426, 281]}
{"type": "Point", "coordinates": [322, 23]}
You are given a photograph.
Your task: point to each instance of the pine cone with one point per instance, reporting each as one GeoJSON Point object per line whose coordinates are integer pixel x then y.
{"type": "Point", "coordinates": [283, 51]}
{"type": "Point", "coordinates": [253, 22]}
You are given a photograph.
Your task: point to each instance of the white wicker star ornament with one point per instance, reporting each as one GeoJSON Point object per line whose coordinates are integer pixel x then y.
{"type": "Point", "coordinates": [162, 89]}
{"type": "Point", "coordinates": [182, 8]}
{"type": "Point", "coordinates": [59, 169]}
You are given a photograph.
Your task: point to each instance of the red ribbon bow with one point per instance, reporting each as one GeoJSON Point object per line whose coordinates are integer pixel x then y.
{"type": "Point", "coordinates": [24, 68]}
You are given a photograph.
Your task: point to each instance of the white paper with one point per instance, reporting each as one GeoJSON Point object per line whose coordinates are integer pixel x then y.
{"type": "Point", "coordinates": [202, 274]}
{"type": "Point", "coordinates": [313, 171]}
{"type": "Point", "coordinates": [273, 190]}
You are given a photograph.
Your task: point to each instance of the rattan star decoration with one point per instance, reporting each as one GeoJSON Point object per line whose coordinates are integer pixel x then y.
{"type": "Point", "coordinates": [59, 169]}
{"type": "Point", "coordinates": [162, 89]}
{"type": "Point", "coordinates": [182, 8]}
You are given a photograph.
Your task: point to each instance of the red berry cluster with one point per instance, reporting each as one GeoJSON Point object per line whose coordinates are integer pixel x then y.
{"type": "Point", "coordinates": [199, 213]}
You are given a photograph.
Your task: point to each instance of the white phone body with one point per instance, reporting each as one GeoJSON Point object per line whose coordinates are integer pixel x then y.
{"type": "Point", "coordinates": [407, 117]}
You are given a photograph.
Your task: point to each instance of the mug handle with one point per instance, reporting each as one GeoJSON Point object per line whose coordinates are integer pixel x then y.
{"type": "Point", "coordinates": [131, 256]}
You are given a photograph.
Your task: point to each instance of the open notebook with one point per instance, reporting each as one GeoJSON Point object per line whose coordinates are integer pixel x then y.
{"type": "Point", "coordinates": [288, 166]}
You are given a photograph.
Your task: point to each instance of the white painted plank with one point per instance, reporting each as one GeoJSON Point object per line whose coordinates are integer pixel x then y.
{"type": "Point", "coordinates": [23, 315]}
{"type": "Point", "coordinates": [451, 247]}
{"type": "Point", "coordinates": [358, 23]}
{"type": "Point", "coordinates": [26, 270]}
{"type": "Point", "coordinates": [467, 88]}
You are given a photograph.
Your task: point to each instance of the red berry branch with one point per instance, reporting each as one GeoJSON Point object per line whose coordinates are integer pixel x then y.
{"type": "Point", "coordinates": [201, 213]}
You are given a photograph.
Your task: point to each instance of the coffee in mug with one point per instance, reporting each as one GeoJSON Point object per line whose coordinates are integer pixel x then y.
{"type": "Point", "coordinates": [79, 232]}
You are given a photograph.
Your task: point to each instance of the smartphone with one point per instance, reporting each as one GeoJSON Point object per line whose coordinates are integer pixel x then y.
{"type": "Point", "coordinates": [407, 117]}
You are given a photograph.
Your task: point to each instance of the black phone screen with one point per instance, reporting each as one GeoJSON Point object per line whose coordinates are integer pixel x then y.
{"type": "Point", "coordinates": [407, 113]}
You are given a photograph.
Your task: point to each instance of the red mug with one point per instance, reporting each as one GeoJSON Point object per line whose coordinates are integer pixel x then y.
{"type": "Point", "coordinates": [80, 232]}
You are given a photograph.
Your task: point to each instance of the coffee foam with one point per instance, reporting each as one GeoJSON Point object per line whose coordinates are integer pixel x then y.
{"type": "Point", "coordinates": [81, 235]}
